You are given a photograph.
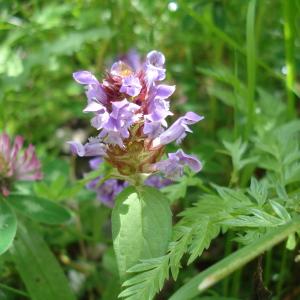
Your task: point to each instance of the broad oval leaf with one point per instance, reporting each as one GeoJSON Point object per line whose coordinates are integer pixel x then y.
{"type": "Point", "coordinates": [40, 209]}
{"type": "Point", "coordinates": [141, 226]}
{"type": "Point", "coordinates": [8, 226]}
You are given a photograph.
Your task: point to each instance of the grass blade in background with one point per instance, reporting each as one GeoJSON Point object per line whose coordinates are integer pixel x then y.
{"type": "Point", "coordinates": [251, 65]}
{"type": "Point", "coordinates": [289, 8]}
{"type": "Point", "coordinates": [38, 268]}
{"type": "Point", "coordinates": [234, 261]}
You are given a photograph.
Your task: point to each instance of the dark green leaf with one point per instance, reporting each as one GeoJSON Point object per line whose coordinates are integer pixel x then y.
{"type": "Point", "coordinates": [40, 209]}
{"type": "Point", "coordinates": [8, 226]}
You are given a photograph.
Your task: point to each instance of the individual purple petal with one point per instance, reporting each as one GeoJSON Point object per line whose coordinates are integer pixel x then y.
{"type": "Point", "coordinates": [96, 93]}
{"type": "Point", "coordinates": [177, 130]}
{"type": "Point", "coordinates": [95, 163]}
{"type": "Point", "coordinates": [85, 77]}
{"type": "Point", "coordinates": [173, 166]}
{"type": "Point", "coordinates": [154, 67]}
{"type": "Point", "coordinates": [131, 86]}
{"type": "Point", "coordinates": [92, 148]}
{"type": "Point", "coordinates": [99, 120]}
{"type": "Point", "coordinates": [107, 191]}
{"type": "Point", "coordinates": [156, 58]}
{"type": "Point", "coordinates": [157, 181]}
{"type": "Point", "coordinates": [95, 107]}
{"type": "Point", "coordinates": [165, 91]}
{"type": "Point", "coordinates": [152, 129]}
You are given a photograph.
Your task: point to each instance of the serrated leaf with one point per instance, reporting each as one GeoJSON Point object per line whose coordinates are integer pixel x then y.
{"type": "Point", "coordinates": [8, 226]}
{"type": "Point", "coordinates": [40, 209]}
{"type": "Point", "coordinates": [259, 191]}
{"type": "Point", "coordinates": [141, 226]}
{"type": "Point", "coordinates": [204, 233]}
{"type": "Point", "coordinates": [280, 211]}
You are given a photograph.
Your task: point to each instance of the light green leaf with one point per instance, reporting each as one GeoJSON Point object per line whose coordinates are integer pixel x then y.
{"type": "Point", "coordinates": [8, 226]}
{"type": "Point", "coordinates": [259, 191]}
{"type": "Point", "coordinates": [280, 211]}
{"type": "Point", "coordinates": [141, 226]}
{"type": "Point", "coordinates": [40, 209]}
{"type": "Point", "coordinates": [38, 268]}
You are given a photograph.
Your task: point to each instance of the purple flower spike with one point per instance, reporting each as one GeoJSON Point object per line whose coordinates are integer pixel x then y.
{"type": "Point", "coordinates": [131, 86]}
{"type": "Point", "coordinates": [173, 166]}
{"type": "Point", "coordinates": [130, 110]}
{"type": "Point", "coordinates": [92, 148]}
{"type": "Point", "coordinates": [177, 130]}
{"type": "Point", "coordinates": [85, 77]}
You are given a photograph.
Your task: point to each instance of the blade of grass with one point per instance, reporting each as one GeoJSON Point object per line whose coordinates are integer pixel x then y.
{"type": "Point", "coordinates": [226, 38]}
{"type": "Point", "coordinates": [251, 65]}
{"type": "Point", "coordinates": [14, 291]}
{"type": "Point", "coordinates": [289, 8]}
{"type": "Point", "coordinates": [234, 261]}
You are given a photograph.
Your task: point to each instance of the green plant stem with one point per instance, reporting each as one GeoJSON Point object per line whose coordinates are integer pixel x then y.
{"type": "Point", "coordinates": [281, 273]}
{"type": "Point", "coordinates": [251, 65]}
{"type": "Point", "coordinates": [228, 250]}
{"type": "Point", "coordinates": [236, 282]}
{"type": "Point", "coordinates": [268, 267]}
{"type": "Point", "coordinates": [289, 8]}
{"type": "Point", "coordinates": [12, 290]}
{"type": "Point", "coordinates": [234, 261]}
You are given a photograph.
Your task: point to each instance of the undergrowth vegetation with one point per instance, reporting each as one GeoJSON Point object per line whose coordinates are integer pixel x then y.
{"type": "Point", "coordinates": [93, 229]}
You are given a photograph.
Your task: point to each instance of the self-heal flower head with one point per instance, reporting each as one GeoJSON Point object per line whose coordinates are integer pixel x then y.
{"type": "Point", "coordinates": [129, 108]}
{"type": "Point", "coordinates": [17, 164]}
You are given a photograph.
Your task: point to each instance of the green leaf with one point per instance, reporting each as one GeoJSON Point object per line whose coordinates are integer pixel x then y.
{"type": "Point", "coordinates": [280, 211]}
{"type": "Point", "coordinates": [40, 209]}
{"type": "Point", "coordinates": [38, 268]}
{"type": "Point", "coordinates": [141, 226]}
{"type": "Point", "coordinates": [8, 226]}
{"type": "Point", "coordinates": [236, 260]}
{"type": "Point", "coordinates": [259, 191]}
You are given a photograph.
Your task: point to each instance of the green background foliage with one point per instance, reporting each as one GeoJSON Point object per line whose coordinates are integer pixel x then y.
{"type": "Point", "coordinates": [236, 63]}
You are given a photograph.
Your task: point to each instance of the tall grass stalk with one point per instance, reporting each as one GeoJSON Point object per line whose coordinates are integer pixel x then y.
{"type": "Point", "coordinates": [251, 66]}
{"type": "Point", "coordinates": [289, 9]}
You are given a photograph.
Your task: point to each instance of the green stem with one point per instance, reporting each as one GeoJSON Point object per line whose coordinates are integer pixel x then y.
{"type": "Point", "coordinates": [228, 250]}
{"type": "Point", "coordinates": [234, 261]}
{"type": "Point", "coordinates": [251, 65]}
{"type": "Point", "coordinates": [281, 273]}
{"type": "Point", "coordinates": [268, 268]}
{"type": "Point", "coordinates": [289, 38]}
